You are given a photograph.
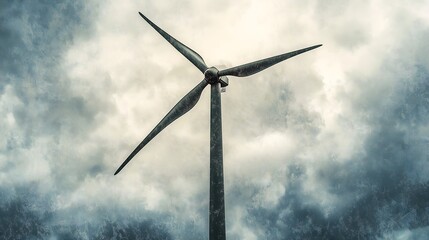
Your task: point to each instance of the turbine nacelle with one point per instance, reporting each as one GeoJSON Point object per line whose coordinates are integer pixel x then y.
{"type": "Point", "coordinates": [211, 75]}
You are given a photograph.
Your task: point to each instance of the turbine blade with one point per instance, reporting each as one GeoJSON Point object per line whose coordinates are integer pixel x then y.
{"type": "Point", "coordinates": [190, 54]}
{"type": "Point", "coordinates": [257, 66]}
{"type": "Point", "coordinates": [182, 107]}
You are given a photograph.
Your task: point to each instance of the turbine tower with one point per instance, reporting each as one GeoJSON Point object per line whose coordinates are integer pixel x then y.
{"type": "Point", "coordinates": [216, 79]}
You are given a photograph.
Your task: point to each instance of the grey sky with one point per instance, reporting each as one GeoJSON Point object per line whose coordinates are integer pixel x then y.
{"type": "Point", "coordinates": [331, 144]}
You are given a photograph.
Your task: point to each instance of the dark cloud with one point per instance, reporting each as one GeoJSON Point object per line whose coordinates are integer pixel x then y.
{"type": "Point", "coordinates": [23, 218]}
{"type": "Point", "coordinates": [382, 190]}
{"type": "Point", "coordinates": [37, 35]}
{"type": "Point", "coordinates": [34, 34]}
{"type": "Point", "coordinates": [18, 221]}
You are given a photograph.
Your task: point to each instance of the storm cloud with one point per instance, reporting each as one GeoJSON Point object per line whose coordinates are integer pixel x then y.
{"type": "Point", "coordinates": [331, 144]}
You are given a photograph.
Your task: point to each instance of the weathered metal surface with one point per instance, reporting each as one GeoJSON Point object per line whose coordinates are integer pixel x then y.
{"type": "Point", "coordinates": [217, 202]}
{"type": "Point", "coordinates": [190, 54]}
{"type": "Point", "coordinates": [257, 66]}
{"type": "Point", "coordinates": [182, 107]}
{"type": "Point", "coordinates": [211, 75]}
{"type": "Point", "coordinates": [224, 81]}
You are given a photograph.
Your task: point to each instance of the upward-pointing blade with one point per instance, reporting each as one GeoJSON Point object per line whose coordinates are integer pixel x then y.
{"type": "Point", "coordinates": [190, 54]}
{"type": "Point", "coordinates": [257, 66]}
{"type": "Point", "coordinates": [182, 107]}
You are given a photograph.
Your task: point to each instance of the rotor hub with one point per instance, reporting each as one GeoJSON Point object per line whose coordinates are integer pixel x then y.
{"type": "Point", "coordinates": [211, 75]}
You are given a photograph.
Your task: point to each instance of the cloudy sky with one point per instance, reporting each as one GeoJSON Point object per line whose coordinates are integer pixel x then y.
{"type": "Point", "coordinates": [332, 144]}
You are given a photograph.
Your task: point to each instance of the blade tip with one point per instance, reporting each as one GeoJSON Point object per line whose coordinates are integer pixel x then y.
{"type": "Point", "coordinates": [314, 47]}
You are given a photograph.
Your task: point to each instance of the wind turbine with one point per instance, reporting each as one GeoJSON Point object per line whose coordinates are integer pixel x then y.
{"type": "Point", "coordinates": [216, 79]}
